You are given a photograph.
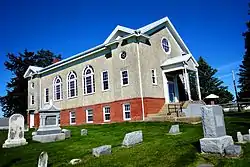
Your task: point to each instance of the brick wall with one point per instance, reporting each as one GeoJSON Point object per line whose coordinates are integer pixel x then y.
{"type": "Point", "coordinates": [36, 120]}
{"type": "Point", "coordinates": [151, 105]}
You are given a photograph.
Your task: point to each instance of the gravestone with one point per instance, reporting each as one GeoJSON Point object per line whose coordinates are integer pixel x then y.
{"type": "Point", "coordinates": [16, 132]}
{"type": "Point", "coordinates": [75, 161]}
{"type": "Point", "coordinates": [43, 159]}
{"type": "Point", "coordinates": [233, 150]}
{"type": "Point", "coordinates": [84, 132]}
{"type": "Point", "coordinates": [67, 133]}
{"type": "Point", "coordinates": [49, 129]}
{"type": "Point", "coordinates": [215, 139]}
{"type": "Point", "coordinates": [132, 138]}
{"type": "Point", "coordinates": [174, 130]}
{"type": "Point", "coordinates": [240, 137]}
{"type": "Point", "coordinates": [102, 150]}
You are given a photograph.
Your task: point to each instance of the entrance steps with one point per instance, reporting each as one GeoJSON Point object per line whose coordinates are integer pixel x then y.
{"type": "Point", "coordinates": [171, 112]}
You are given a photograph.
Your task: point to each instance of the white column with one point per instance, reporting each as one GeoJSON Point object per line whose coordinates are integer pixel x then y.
{"type": "Point", "coordinates": [188, 85]}
{"type": "Point", "coordinates": [165, 87]}
{"type": "Point", "coordinates": [176, 90]}
{"type": "Point", "coordinates": [198, 84]}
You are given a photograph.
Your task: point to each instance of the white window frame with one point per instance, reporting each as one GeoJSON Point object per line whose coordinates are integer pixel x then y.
{"type": "Point", "coordinates": [153, 75]}
{"type": "Point", "coordinates": [32, 99]}
{"type": "Point", "coordinates": [54, 88]}
{"type": "Point", "coordinates": [123, 110]}
{"type": "Point", "coordinates": [45, 95]}
{"type": "Point", "coordinates": [68, 84]}
{"type": "Point", "coordinates": [122, 78]}
{"type": "Point", "coordinates": [70, 117]}
{"type": "Point", "coordinates": [92, 75]}
{"type": "Point", "coordinates": [87, 115]}
{"type": "Point", "coordinates": [104, 113]}
{"type": "Point", "coordinates": [105, 80]}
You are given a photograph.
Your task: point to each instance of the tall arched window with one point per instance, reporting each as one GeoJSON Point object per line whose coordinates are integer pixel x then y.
{"type": "Point", "coordinates": [89, 80]}
{"type": "Point", "coordinates": [57, 88]}
{"type": "Point", "coordinates": [72, 84]}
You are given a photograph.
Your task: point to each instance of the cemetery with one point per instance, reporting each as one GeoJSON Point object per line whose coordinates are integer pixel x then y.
{"type": "Point", "coordinates": [139, 144]}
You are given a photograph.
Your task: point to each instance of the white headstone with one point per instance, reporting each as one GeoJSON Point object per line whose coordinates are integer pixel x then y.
{"type": "Point", "coordinates": [16, 132]}
{"type": "Point", "coordinates": [239, 137]}
{"type": "Point", "coordinates": [43, 159]}
{"type": "Point", "coordinates": [174, 129]}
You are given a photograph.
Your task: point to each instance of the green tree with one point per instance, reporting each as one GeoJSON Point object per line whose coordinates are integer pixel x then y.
{"type": "Point", "coordinates": [209, 84]}
{"type": "Point", "coordinates": [15, 101]}
{"type": "Point", "coordinates": [244, 71]}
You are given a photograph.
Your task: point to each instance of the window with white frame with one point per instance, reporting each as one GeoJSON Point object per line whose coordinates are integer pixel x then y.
{"type": "Point", "coordinates": [72, 84]}
{"type": "Point", "coordinates": [154, 77]}
{"type": "Point", "coordinates": [72, 117]}
{"type": "Point", "coordinates": [126, 112]}
{"type": "Point", "coordinates": [89, 116]}
{"type": "Point", "coordinates": [32, 99]}
{"type": "Point", "coordinates": [57, 88]}
{"type": "Point", "coordinates": [106, 114]}
{"type": "Point", "coordinates": [124, 77]}
{"type": "Point", "coordinates": [88, 80]}
{"type": "Point", "coordinates": [105, 80]}
{"type": "Point", "coordinates": [46, 95]}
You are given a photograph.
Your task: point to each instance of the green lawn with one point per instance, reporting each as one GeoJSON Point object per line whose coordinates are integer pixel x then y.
{"type": "Point", "coordinates": [157, 149]}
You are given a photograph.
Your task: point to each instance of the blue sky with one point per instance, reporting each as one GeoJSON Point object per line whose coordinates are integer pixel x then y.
{"type": "Point", "coordinates": [210, 28]}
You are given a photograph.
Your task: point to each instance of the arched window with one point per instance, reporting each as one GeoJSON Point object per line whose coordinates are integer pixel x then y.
{"type": "Point", "coordinates": [72, 84]}
{"type": "Point", "coordinates": [88, 80]}
{"type": "Point", "coordinates": [57, 88]}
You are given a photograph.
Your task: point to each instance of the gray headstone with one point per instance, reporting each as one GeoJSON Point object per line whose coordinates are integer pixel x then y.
{"type": "Point", "coordinates": [67, 133]}
{"type": "Point", "coordinates": [34, 133]}
{"type": "Point", "coordinates": [84, 132]}
{"type": "Point", "coordinates": [239, 137]}
{"type": "Point", "coordinates": [233, 150]}
{"type": "Point", "coordinates": [75, 161]}
{"type": "Point", "coordinates": [132, 138]}
{"type": "Point", "coordinates": [213, 121]}
{"type": "Point", "coordinates": [4, 123]}
{"type": "Point", "coordinates": [43, 159]}
{"type": "Point", "coordinates": [102, 150]}
{"type": "Point", "coordinates": [16, 132]}
{"type": "Point", "coordinates": [174, 129]}
{"type": "Point", "coordinates": [246, 137]}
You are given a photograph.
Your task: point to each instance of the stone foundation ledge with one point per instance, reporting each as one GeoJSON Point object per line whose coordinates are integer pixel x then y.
{"type": "Point", "coordinates": [14, 143]}
{"type": "Point", "coordinates": [49, 138]}
{"type": "Point", "coordinates": [216, 145]}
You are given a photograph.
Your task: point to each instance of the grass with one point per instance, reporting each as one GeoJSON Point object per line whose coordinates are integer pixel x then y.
{"type": "Point", "coordinates": [157, 149]}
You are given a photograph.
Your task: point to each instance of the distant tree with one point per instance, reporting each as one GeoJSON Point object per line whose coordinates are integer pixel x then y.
{"type": "Point", "coordinates": [15, 101]}
{"type": "Point", "coordinates": [209, 84]}
{"type": "Point", "coordinates": [244, 71]}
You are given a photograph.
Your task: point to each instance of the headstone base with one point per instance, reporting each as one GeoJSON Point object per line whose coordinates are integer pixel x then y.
{"type": "Point", "coordinates": [215, 145]}
{"type": "Point", "coordinates": [49, 138]}
{"type": "Point", "coordinates": [14, 143]}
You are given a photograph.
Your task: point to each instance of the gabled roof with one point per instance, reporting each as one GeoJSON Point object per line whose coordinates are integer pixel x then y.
{"type": "Point", "coordinates": [32, 70]}
{"type": "Point", "coordinates": [212, 96]}
{"type": "Point", "coordinates": [148, 28]}
{"type": "Point", "coordinates": [118, 28]}
{"type": "Point", "coordinates": [179, 59]}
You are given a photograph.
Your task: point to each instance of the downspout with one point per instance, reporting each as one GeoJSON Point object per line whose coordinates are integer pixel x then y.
{"type": "Point", "coordinates": [140, 78]}
{"type": "Point", "coordinates": [40, 94]}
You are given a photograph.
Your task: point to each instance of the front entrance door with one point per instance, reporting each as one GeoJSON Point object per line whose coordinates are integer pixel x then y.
{"type": "Point", "coordinates": [171, 91]}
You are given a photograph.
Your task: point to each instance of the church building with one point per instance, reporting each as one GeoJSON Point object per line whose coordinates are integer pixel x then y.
{"type": "Point", "coordinates": [133, 73]}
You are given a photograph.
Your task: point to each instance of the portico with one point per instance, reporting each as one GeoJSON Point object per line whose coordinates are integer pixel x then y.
{"type": "Point", "coordinates": [176, 82]}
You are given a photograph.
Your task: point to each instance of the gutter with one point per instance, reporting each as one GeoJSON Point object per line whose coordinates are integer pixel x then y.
{"type": "Point", "coordinates": [140, 78]}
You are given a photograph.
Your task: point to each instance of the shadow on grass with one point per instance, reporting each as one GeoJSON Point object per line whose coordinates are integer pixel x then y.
{"type": "Point", "coordinates": [197, 146]}
{"type": "Point", "coordinates": [188, 157]}
{"type": "Point", "coordinates": [13, 161]}
{"type": "Point", "coordinates": [238, 114]}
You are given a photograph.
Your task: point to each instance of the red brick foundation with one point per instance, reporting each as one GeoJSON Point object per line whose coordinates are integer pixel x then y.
{"type": "Point", "coordinates": [151, 105]}
{"type": "Point", "coordinates": [36, 120]}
